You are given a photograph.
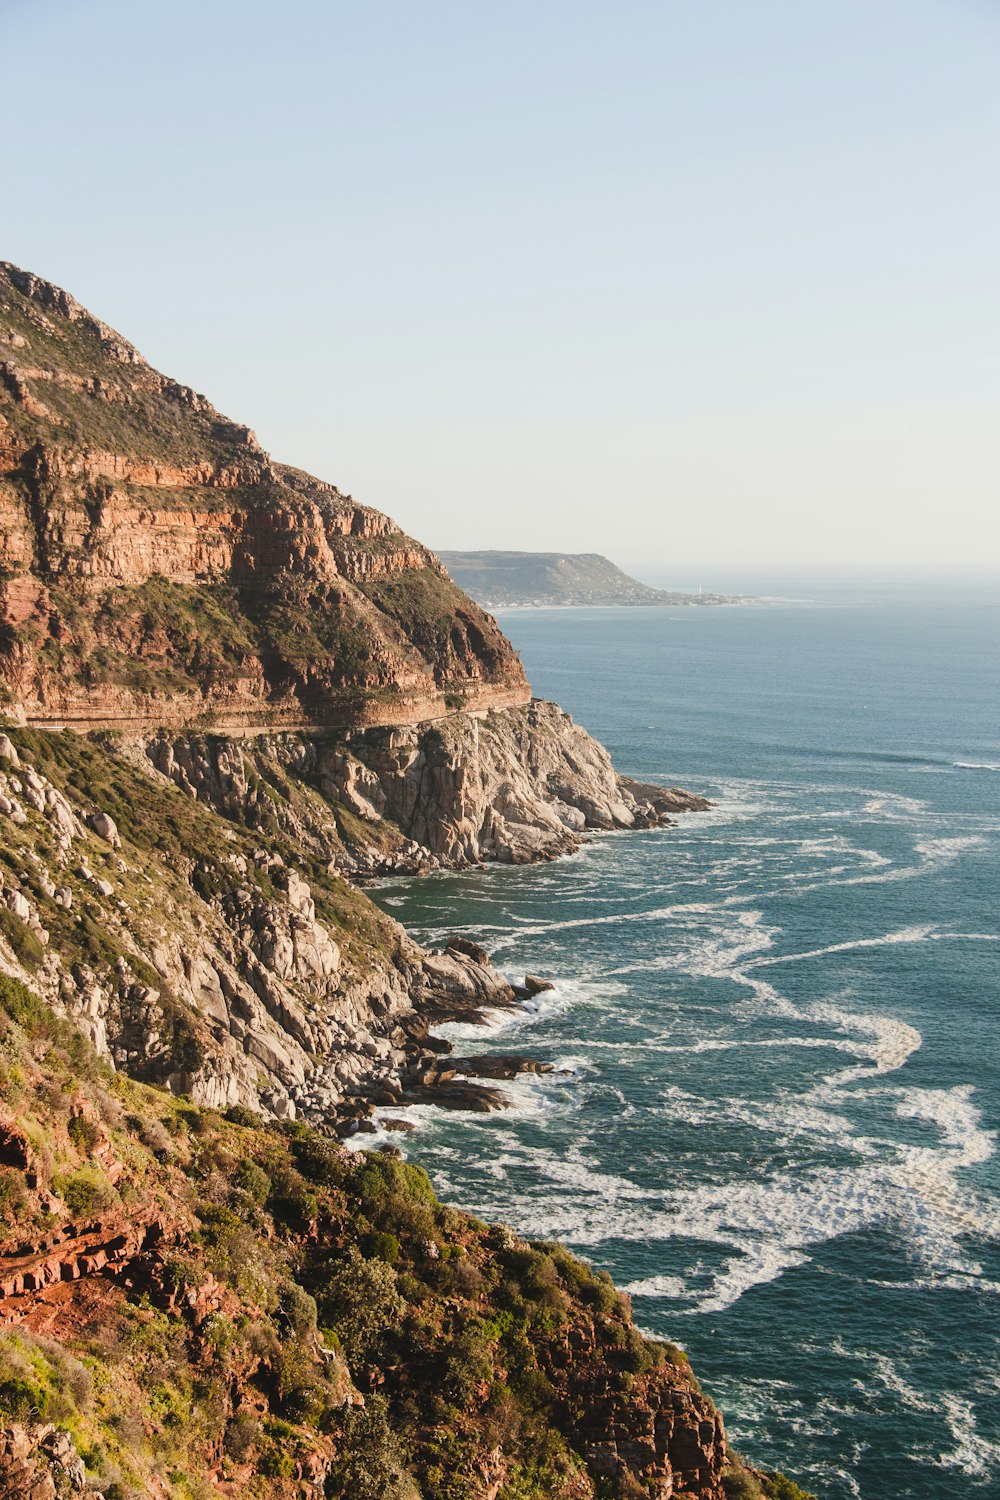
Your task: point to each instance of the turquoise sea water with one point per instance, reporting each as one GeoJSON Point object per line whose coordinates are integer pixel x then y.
{"type": "Point", "coordinates": [777, 1026]}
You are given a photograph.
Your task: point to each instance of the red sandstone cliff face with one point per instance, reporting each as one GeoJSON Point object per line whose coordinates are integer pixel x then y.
{"type": "Point", "coordinates": [157, 568]}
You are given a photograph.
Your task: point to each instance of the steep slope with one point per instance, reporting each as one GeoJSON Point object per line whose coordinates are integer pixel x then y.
{"type": "Point", "coordinates": [159, 572]}
{"type": "Point", "coordinates": [281, 694]}
{"type": "Point", "coordinates": [503, 579]}
{"type": "Point", "coordinates": [188, 900]}
{"type": "Point", "coordinates": [195, 1305]}
{"type": "Point", "coordinates": [158, 568]}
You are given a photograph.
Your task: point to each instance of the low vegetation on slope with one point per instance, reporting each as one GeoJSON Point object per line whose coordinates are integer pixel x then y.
{"type": "Point", "coordinates": [213, 1304]}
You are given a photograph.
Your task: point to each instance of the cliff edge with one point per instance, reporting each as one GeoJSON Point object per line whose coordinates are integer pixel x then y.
{"type": "Point", "coordinates": [230, 695]}
{"type": "Point", "coordinates": [158, 568]}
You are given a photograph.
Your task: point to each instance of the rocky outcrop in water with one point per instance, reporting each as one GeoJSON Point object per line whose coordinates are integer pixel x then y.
{"type": "Point", "coordinates": [512, 785]}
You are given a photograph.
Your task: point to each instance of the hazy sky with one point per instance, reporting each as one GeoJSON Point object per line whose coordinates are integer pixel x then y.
{"type": "Point", "coordinates": [697, 283]}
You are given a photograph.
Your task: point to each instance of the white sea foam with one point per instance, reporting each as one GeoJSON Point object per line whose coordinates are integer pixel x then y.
{"type": "Point", "coordinates": [957, 1119]}
{"type": "Point", "coordinates": [885, 1041]}
{"type": "Point", "coordinates": [788, 1115]}
{"type": "Point", "coordinates": [973, 1454]}
{"type": "Point", "coordinates": [916, 934]}
{"type": "Point", "coordinates": [730, 1044]}
{"type": "Point", "coordinates": [976, 765]}
{"type": "Point", "coordinates": [932, 854]}
{"type": "Point", "coordinates": [945, 1281]}
{"type": "Point", "coordinates": [893, 806]}
{"type": "Point", "coordinates": [658, 1286]}
{"type": "Point", "coordinates": [530, 1096]}
{"type": "Point", "coordinates": [770, 1226]}
{"type": "Point", "coordinates": [611, 919]}
{"type": "Point", "coordinates": [564, 994]}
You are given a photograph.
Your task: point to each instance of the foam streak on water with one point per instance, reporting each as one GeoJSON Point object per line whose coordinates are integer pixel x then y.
{"type": "Point", "coordinates": [776, 1025]}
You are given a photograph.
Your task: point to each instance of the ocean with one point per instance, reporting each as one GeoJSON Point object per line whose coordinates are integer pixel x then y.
{"type": "Point", "coordinates": [775, 1027]}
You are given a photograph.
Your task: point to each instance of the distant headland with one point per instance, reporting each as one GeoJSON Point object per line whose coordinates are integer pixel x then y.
{"type": "Point", "coordinates": [505, 580]}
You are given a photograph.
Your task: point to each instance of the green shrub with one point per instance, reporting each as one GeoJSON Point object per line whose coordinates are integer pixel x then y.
{"type": "Point", "coordinates": [275, 1463]}
{"type": "Point", "coordinates": [23, 1399]}
{"type": "Point", "coordinates": [601, 1294]}
{"type": "Point", "coordinates": [291, 1201]}
{"type": "Point", "coordinates": [379, 1177]}
{"type": "Point", "coordinates": [85, 1191]}
{"type": "Point", "coordinates": [84, 1133]}
{"type": "Point", "coordinates": [469, 1366]}
{"type": "Point", "coordinates": [778, 1486]}
{"type": "Point", "coordinates": [242, 1436]}
{"type": "Point", "coordinates": [319, 1160]}
{"type": "Point", "coordinates": [39, 1380]}
{"type": "Point", "coordinates": [24, 1008]}
{"type": "Point", "coordinates": [740, 1484]}
{"type": "Point", "coordinates": [359, 1300]}
{"type": "Point", "coordinates": [254, 1181]}
{"type": "Point", "coordinates": [369, 1464]}
{"type": "Point", "coordinates": [13, 1199]}
{"type": "Point", "coordinates": [382, 1246]}
{"type": "Point", "coordinates": [24, 943]}
{"type": "Point", "coordinates": [639, 1357]}
{"type": "Point", "coordinates": [218, 1224]}
{"type": "Point", "coordinates": [298, 1309]}
{"type": "Point", "coordinates": [238, 1114]}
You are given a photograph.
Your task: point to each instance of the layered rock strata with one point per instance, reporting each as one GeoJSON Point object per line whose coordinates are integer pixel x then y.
{"type": "Point", "coordinates": [159, 572]}
{"type": "Point", "coordinates": [156, 567]}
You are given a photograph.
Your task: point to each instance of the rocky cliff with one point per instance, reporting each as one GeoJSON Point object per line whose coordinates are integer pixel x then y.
{"type": "Point", "coordinates": [192, 900]}
{"type": "Point", "coordinates": [156, 567]}
{"type": "Point", "coordinates": [230, 696]}
{"type": "Point", "coordinates": [159, 574]}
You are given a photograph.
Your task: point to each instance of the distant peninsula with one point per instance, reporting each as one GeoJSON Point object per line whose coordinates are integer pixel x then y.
{"type": "Point", "coordinates": [504, 580]}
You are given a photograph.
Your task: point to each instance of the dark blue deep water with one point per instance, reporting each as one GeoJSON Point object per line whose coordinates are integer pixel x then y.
{"type": "Point", "coordinates": [777, 1025]}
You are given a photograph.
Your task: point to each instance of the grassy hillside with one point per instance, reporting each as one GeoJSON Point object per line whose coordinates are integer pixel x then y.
{"type": "Point", "coordinates": [298, 1319]}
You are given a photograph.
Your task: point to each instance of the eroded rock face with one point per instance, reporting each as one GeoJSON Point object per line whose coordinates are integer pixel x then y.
{"type": "Point", "coordinates": [515, 786]}
{"type": "Point", "coordinates": [512, 785]}
{"type": "Point", "coordinates": [255, 974]}
{"type": "Point", "coordinates": [158, 568]}
{"type": "Point", "coordinates": [27, 1462]}
{"type": "Point", "coordinates": [157, 571]}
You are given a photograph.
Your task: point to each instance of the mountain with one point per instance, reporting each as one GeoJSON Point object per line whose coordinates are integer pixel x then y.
{"type": "Point", "coordinates": [231, 696]}
{"type": "Point", "coordinates": [159, 568]}
{"type": "Point", "coordinates": [501, 580]}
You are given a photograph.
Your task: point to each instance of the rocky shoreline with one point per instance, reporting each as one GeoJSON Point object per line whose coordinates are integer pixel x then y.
{"type": "Point", "coordinates": [196, 906]}
{"type": "Point", "coordinates": [435, 1075]}
{"type": "Point", "coordinates": [230, 696]}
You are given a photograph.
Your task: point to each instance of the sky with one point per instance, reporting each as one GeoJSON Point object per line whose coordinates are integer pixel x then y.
{"type": "Point", "coordinates": [709, 286]}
